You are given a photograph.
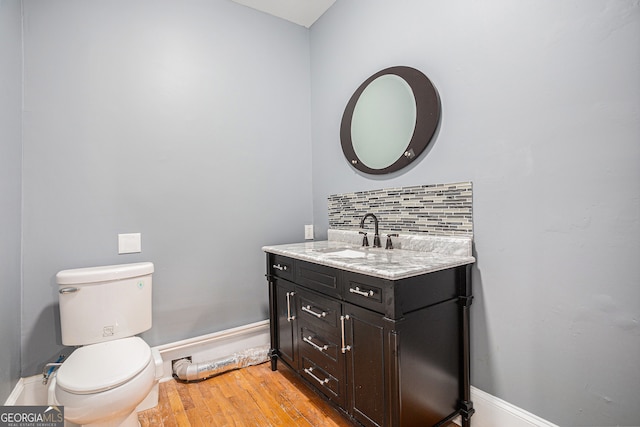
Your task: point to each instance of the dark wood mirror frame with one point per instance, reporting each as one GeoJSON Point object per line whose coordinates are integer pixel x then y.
{"type": "Point", "coordinates": [427, 118]}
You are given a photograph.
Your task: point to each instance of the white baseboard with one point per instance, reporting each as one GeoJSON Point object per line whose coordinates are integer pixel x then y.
{"type": "Point", "coordinates": [28, 391]}
{"type": "Point", "coordinates": [491, 411]}
{"type": "Point", "coordinates": [17, 391]}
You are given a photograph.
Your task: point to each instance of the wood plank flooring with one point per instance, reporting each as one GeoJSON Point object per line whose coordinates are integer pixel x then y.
{"type": "Point", "coordinates": [253, 396]}
{"type": "Point", "coordinates": [249, 397]}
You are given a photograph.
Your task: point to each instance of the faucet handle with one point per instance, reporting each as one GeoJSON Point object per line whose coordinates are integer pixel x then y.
{"type": "Point", "coordinates": [365, 241]}
{"type": "Point", "coordinates": [389, 244]}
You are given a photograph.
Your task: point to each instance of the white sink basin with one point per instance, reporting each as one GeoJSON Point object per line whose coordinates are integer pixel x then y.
{"type": "Point", "coordinates": [347, 253]}
{"type": "Point", "coordinates": [342, 253]}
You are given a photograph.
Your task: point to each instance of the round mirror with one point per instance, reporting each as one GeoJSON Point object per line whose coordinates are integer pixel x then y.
{"type": "Point", "coordinates": [389, 120]}
{"type": "Point", "coordinates": [383, 121]}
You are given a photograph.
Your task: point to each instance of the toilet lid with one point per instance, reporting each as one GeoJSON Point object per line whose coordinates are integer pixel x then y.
{"type": "Point", "coordinates": [100, 367]}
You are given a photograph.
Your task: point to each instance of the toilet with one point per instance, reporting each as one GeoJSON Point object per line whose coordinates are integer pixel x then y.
{"type": "Point", "coordinates": [102, 309]}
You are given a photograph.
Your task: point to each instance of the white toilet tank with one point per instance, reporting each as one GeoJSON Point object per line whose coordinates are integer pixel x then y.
{"type": "Point", "coordinates": [100, 304]}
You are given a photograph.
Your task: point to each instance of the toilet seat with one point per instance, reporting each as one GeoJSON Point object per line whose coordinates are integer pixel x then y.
{"type": "Point", "coordinates": [99, 367]}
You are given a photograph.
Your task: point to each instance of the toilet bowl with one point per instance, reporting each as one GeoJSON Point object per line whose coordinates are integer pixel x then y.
{"type": "Point", "coordinates": [102, 384]}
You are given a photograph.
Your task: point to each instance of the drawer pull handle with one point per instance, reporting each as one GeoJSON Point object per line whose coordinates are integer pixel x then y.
{"type": "Point", "coordinates": [314, 345]}
{"type": "Point", "coordinates": [359, 292]}
{"type": "Point", "coordinates": [344, 347]}
{"type": "Point", "coordinates": [318, 315]}
{"type": "Point", "coordinates": [289, 316]}
{"type": "Point", "coordinates": [280, 267]}
{"type": "Point", "coordinates": [309, 371]}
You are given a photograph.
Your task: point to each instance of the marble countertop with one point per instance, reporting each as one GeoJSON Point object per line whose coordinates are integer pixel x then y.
{"type": "Point", "coordinates": [414, 255]}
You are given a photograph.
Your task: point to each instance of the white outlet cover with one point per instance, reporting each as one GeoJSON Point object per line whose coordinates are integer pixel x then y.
{"type": "Point", "coordinates": [308, 232]}
{"type": "Point", "coordinates": [129, 243]}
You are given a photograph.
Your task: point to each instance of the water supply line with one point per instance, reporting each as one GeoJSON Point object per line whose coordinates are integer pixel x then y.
{"type": "Point", "coordinates": [49, 368]}
{"type": "Point", "coordinates": [186, 370]}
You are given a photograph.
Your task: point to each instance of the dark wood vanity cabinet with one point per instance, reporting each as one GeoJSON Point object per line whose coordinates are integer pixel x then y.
{"type": "Point", "coordinates": [387, 352]}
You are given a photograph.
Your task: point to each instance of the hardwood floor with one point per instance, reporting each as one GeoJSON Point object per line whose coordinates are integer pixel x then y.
{"type": "Point", "coordinates": [249, 397]}
{"type": "Point", "coordinates": [253, 396]}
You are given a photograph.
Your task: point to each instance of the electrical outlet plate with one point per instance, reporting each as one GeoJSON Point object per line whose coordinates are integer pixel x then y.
{"type": "Point", "coordinates": [129, 243]}
{"type": "Point", "coordinates": [308, 232]}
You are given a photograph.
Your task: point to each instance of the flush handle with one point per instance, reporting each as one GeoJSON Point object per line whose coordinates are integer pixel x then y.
{"type": "Point", "coordinates": [65, 291]}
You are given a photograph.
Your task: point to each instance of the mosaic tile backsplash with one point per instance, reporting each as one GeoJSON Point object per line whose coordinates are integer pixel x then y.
{"type": "Point", "coordinates": [439, 209]}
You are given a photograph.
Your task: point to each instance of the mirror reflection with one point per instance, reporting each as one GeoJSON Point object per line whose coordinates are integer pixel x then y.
{"type": "Point", "coordinates": [383, 121]}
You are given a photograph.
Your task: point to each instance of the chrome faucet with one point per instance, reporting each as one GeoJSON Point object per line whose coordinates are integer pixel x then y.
{"type": "Point", "coordinates": [376, 236]}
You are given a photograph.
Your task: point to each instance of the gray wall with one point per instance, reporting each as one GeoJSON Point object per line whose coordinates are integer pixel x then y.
{"type": "Point", "coordinates": [10, 192]}
{"type": "Point", "coordinates": [189, 122]}
{"type": "Point", "coordinates": [541, 110]}
{"type": "Point", "coordinates": [186, 121]}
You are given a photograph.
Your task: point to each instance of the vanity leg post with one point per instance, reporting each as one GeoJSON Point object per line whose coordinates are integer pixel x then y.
{"type": "Point", "coordinates": [465, 298]}
{"type": "Point", "coordinates": [273, 316]}
{"type": "Point", "coordinates": [273, 356]}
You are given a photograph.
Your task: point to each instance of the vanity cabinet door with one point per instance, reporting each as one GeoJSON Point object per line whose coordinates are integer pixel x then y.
{"type": "Point", "coordinates": [286, 322]}
{"type": "Point", "coordinates": [365, 359]}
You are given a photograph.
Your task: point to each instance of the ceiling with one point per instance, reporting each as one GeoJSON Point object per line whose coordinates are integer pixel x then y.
{"type": "Point", "coordinates": [301, 12]}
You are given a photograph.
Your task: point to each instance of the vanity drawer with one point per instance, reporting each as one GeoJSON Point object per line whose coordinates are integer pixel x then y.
{"type": "Point", "coordinates": [318, 277]}
{"type": "Point", "coordinates": [365, 291]}
{"type": "Point", "coordinates": [319, 313]}
{"type": "Point", "coordinates": [322, 380]}
{"type": "Point", "coordinates": [281, 266]}
{"type": "Point", "coordinates": [323, 350]}
{"type": "Point", "coordinates": [320, 343]}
